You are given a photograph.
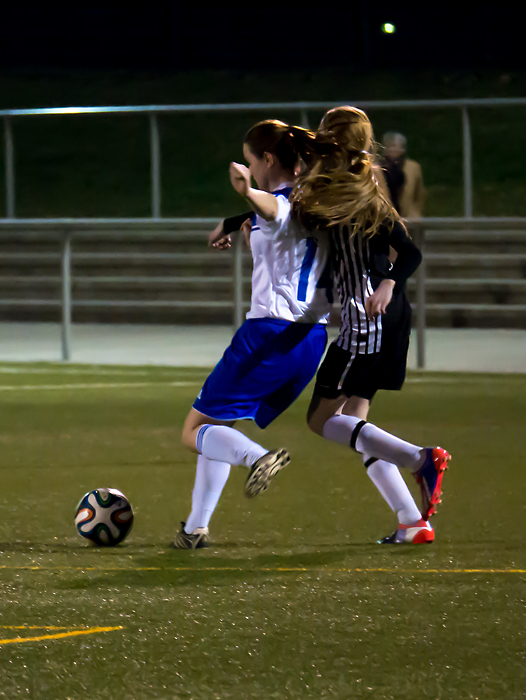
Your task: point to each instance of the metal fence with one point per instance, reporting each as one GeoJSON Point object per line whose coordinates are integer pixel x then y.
{"type": "Point", "coordinates": [68, 232]}
{"type": "Point", "coordinates": [303, 109]}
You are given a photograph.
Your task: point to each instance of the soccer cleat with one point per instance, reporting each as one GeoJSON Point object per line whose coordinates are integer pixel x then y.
{"type": "Point", "coordinates": [419, 533]}
{"type": "Point", "coordinates": [195, 540]}
{"type": "Point", "coordinates": [429, 477]}
{"type": "Point", "coordinates": [264, 470]}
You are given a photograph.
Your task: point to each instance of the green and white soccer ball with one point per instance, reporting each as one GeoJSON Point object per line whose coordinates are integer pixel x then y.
{"type": "Point", "coordinates": [104, 516]}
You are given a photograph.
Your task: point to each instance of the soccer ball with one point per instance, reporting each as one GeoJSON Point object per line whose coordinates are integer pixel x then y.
{"type": "Point", "coordinates": [104, 516]}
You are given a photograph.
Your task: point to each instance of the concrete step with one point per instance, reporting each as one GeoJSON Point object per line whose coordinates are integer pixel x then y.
{"type": "Point", "coordinates": [152, 277]}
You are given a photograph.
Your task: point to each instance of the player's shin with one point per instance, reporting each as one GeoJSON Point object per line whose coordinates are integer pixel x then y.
{"type": "Point", "coordinates": [367, 438]}
{"type": "Point", "coordinates": [210, 479]}
{"type": "Point", "coordinates": [393, 489]}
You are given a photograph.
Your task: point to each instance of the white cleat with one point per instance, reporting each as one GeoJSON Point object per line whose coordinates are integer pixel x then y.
{"type": "Point", "coordinates": [195, 540]}
{"type": "Point", "coordinates": [264, 470]}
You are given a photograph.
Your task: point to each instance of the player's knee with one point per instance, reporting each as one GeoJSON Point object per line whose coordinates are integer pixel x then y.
{"type": "Point", "coordinates": [316, 415]}
{"type": "Point", "coordinates": [188, 438]}
{"type": "Point", "coordinates": [315, 423]}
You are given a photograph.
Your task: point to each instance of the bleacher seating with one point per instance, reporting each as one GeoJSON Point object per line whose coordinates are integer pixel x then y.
{"type": "Point", "coordinates": [474, 278]}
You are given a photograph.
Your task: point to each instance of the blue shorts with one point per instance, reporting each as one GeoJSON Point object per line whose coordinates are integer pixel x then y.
{"type": "Point", "coordinates": [265, 369]}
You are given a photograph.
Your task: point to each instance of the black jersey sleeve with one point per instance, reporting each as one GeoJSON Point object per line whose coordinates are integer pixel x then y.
{"type": "Point", "coordinates": [409, 256]}
{"type": "Point", "coordinates": [234, 223]}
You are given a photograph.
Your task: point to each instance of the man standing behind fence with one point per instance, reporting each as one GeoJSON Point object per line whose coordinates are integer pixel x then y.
{"type": "Point", "coordinates": [403, 177]}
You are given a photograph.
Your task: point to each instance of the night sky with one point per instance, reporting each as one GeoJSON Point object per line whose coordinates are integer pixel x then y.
{"type": "Point", "coordinates": [174, 36]}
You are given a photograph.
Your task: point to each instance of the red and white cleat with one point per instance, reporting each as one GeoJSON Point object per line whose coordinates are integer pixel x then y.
{"type": "Point", "coordinates": [418, 533]}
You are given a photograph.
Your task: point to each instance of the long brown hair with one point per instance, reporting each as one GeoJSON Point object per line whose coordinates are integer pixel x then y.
{"type": "Point", "coordinates": [339, 185]}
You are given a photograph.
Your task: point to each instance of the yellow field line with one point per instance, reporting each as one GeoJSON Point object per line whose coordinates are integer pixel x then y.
{"type": "Point", "coordinates": [61, 635]}
{"type": "Point", "coordinates": [266, 569]}
{"type": "Point", "coordinates": [42, 627]}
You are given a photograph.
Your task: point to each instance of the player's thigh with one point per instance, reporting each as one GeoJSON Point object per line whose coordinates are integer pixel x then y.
{"type": "Point", "coordinates": [321, 409]}
{"type": "Point", "coordinates": [290, 369]}
{"type": "Point", "coordinates": [356, 406]}
{"type": "Point", "coordinates": [274, 404]}
{"type": "Point", "coordinates": [328, 397]}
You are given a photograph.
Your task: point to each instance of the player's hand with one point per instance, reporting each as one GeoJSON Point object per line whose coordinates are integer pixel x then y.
{"type": "Point", "coordinates": [378, 302]}
{"type": "Point", "coordinates": [219, 239]}
{"type": "Point", "coordinates": [240, 178]}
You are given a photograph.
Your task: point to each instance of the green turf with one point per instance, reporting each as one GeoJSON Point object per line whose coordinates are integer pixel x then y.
{"type": "Point", "coordinates": [295, 599]}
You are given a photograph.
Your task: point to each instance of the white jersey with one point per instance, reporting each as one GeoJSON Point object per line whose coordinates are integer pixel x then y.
{"type": "Point", "coordinates": [291, 277]}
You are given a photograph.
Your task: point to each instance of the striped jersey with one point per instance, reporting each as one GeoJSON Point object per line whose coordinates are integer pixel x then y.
{"type": "Point", "coordinates": [359, 265]}
{"type": "Point", "coordinates": [291, 268]}
{"type": "Point", "coordinates": [351, 268]}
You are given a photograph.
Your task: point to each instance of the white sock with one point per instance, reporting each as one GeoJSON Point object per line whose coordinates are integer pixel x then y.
{"type": "Point", "coordinates": [210, 479]}
{"type": "Point", "coordinates": [371, 440]}
{"type": "Point", "coordinates": [224, 444]}
{"type": "Point", "coordinates": [340, 429]}
{"type": "Point", "coordinates": [391, 485]}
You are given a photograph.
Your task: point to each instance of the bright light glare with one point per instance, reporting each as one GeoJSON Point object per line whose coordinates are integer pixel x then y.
{"type": "Point", "coordinates": [388, 28]}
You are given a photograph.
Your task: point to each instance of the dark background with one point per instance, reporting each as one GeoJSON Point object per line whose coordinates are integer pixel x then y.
{"type": "Point", "coordinates": [175, 36]}
{"type": "Point", "coordinates": [56, 55]}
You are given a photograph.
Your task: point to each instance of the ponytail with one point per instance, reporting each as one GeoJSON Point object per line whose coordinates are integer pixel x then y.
{"type": "Point", "coordinates": [287, 142]}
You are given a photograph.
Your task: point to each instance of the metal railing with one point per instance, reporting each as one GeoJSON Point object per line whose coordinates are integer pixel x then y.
{"type": "Point", "coordinates": [303, 108]}
{"type": "Point", "coordinates": [69, 231]}
{"type": "Point", "coordinates": [66, 230]}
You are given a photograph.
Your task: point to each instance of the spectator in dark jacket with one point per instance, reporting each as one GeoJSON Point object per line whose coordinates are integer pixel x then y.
{"type": "Point", "coordinates": [403, 177]}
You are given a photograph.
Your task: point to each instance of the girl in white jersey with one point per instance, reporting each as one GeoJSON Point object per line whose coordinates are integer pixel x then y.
{"type": "Point", "coordinates": [276, 352]}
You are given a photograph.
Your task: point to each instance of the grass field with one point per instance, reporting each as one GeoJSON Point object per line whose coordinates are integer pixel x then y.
{"type": "Point", "coordinates": [295, 599]}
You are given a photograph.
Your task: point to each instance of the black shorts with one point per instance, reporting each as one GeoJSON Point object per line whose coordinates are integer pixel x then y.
{"type": "Point", "coordinates": [364, 375]}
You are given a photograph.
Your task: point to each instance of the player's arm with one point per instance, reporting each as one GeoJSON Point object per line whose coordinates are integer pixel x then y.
{"type": "Point", "coordinates": [408, 256]}
{"type": "Point", "coordinates": [378, 302]}
{"type": "Point", "coordinates": [263, 203]}
{"type": "Point", "coordinates": [407, 261]}
{"type": "Point", "coordinates": [220, 236]}
{"type": "Point", "coordinates": [235, 223]}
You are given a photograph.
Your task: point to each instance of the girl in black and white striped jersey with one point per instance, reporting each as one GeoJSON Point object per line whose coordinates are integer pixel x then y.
{"type": "Point", "coordinates": [338, 193]}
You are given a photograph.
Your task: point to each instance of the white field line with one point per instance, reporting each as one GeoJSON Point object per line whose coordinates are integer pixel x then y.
{"type": "Point", "coordinates": [437, 380]}
{"type": "Point", "coordinates": [460, 380]}
{"type": "Point", "coordinates": [441, 380]}
{"type": "Point", "coordinates": [189, 371]}
{"type": "Point", "coordinates": [120, 385]}
{"type": "Point", "coordinates": [96, 370]}
{"type": "Point", "coordinates": [140, 385]}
